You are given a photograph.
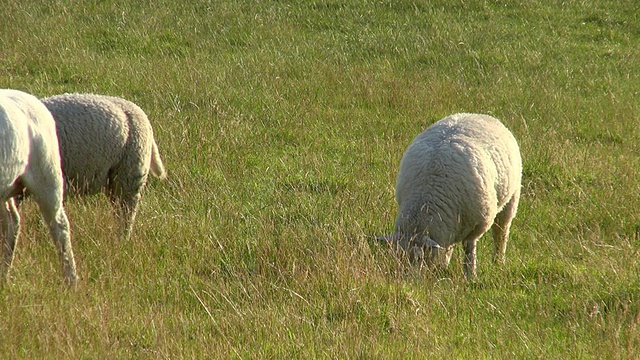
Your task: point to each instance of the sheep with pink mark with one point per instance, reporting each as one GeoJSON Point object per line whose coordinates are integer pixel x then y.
{"type": "Point", "coordinates": [30, 159]}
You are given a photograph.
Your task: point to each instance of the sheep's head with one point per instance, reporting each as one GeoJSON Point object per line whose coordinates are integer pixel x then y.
{"type": "Point", "coordinates": [417, 248]}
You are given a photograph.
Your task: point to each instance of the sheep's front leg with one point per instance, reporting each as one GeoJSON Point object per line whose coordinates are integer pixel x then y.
{"type": "Point", "coordinates": [10, 227]}
{"type": "Point", "coordinates": [469, 244]}
{"type": "Point", "coordinates": [469, 263]}
{"type": "Point", "coordinates": [440, 257]}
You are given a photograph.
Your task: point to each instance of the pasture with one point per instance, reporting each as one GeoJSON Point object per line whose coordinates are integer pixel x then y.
{"type": "Point", "coordinates": [281, 124]}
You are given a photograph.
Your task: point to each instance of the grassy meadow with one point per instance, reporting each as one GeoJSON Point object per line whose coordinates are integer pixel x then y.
{"type": "Point", "coordinates": [281, 124]}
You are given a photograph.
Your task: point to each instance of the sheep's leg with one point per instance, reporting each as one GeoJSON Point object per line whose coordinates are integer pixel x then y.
{"type": "Point", "coordinates": [124, 194]}
{"type": "Point", "coordinates": [470, 258]}
{"type": "Point", "coordinates": [10, 227]}
{"type": "Point", "coordinates": [49, 199]}
{"type": "Point", "coordinates": [440, 258]}
{"type": "Point", "coordinates": [127, 210]}
{"type": "Point", "coordinates": [447, 256]}
{"type": "Point", "coordinates": [501, 226]}
{"type": "Point", "coordinates": [469, 243]}
{"type": "Point", "coordinates": [126, 207]}
{"type": "Point", "coordinates": [59, 228]}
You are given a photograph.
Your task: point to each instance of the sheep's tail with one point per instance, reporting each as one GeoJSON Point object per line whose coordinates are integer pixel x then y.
{"type": "Point", "coordinates": [157, 168]}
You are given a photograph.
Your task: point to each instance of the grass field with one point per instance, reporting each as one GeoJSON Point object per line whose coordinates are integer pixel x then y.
{"type": "Point", "coordinates": [282, 124]}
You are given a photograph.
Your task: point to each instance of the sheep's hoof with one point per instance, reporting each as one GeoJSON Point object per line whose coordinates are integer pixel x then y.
{"type": "Point", "coordinates": [71, 281]}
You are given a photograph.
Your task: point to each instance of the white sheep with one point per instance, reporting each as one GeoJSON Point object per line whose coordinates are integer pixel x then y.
{"type": "Point", "coordinates": [458, 178]}
{"type": "Point", "coordinates": [107, 144]}
{"type": "Point", "coordinates": [30, 159]}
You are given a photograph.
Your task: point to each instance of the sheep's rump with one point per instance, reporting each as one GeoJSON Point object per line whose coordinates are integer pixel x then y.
{"type": "Point", "coordinates": [458, 173]}
{"type": "Point", "coordinates": [100, 137]}
{"type": "Point", "coordinates": [14, 150]}
{"type": "Point", "coordinates": [18, 137]}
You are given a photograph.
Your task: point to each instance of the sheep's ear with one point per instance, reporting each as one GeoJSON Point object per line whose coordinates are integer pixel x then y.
{"type": "Point", "coordinates": [429, 242]}
{"type": "Point", "coordinates": [389, 238]}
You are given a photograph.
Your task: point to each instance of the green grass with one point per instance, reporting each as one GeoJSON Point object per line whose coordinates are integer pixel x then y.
{"type": "Point", "coordinates": [282, 124]}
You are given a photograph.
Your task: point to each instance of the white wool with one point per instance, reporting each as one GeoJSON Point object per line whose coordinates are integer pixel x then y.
{"type": "Point", "coordinates": [30, 159]}
{"type": "Point", "coordinates": [106, 144]}
{"type": "Point", "coordinates": [458, 178]}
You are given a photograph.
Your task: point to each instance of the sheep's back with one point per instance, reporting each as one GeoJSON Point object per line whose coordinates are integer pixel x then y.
{"type": "Point", "coordinates": [457, 173]}
{"type": "Point", "coordinates": [493, 147]}
{"type": "Point", "coordinates": [493, 138]}
{"type": "Point", "coordinates": [93, 133]}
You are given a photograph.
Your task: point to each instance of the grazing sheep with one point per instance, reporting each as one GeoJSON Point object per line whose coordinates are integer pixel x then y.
{"type": "Point", "coordinates": [106, 143]}
{"type": "Point", "coordinates": [458, 178]}
{"type": "Point", "coordinates": [30, 159]}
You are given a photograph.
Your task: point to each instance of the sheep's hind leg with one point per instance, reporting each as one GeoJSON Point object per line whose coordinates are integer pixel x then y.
{"type": "Point", "coordinates": [500, 228]}
{"type": "Point", "coordinates": [126, 209]}
{"type": "Point", "coordinates": [59, 229]}
{"type": "Point", "coordinates": [10, 227]}
{"type": "Point", "coordinates": [49, 199]}
{"type": "Point", "coordinates": [129, 210]}
{"type": "Point", "coordinates": [124, 193]}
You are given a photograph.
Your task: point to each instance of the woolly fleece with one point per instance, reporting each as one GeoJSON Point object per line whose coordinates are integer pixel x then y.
{"type": "Point", "coordinates": [30, 159]}
{"type": "Point", "coordinates": [458, 178]}
{"type": "Point", "coordinates": [106, 144]}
